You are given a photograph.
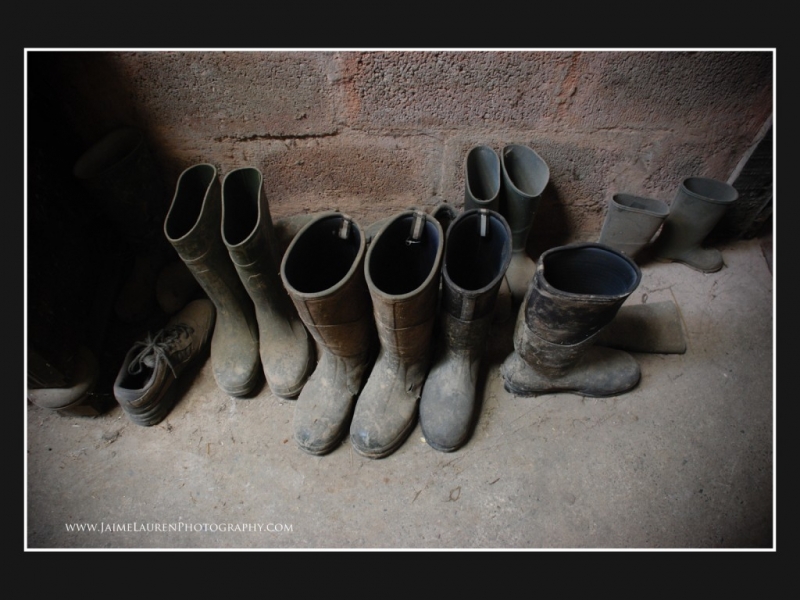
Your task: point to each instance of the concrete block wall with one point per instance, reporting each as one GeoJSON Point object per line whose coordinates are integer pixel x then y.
{"type": "Point", "coordinates": [374, 132]}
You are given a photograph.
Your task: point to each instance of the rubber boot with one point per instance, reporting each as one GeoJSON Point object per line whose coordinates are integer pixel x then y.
{"type": "Point", "coordinates": [477, 254]}
{"type": "Point", "coordinates": [525, 176]}
{"type": "Point", "coordinates": [286, 348]}
{"type": "Point", "coordinates": [123, 179]}
{"type": "Point", "coordinates": [482, 179]}
{"type": "Point", "coordinates": [402, 270]}
{"type": "Point", "coordinates": [576, 291]}
{"type": "Point", "coordinates": [323, 271]}
{"type": "Point", "coordinates": [631, 222]}
{"type": "Point", "coordinates": [698, 206]}
{"type": "Point", "coordinates": [193, 227]}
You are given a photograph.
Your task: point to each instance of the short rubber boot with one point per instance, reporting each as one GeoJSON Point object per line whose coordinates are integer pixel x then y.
{"type": "Point", "coordinates": [402, 270]}
{"type": "Point", "coordinates": [323, 272]}
{"type": "Point", "coordinates": [123, 179]}
{"type": "Point", "coordinates": [482, 178]}
{"type": "Point", "coordinates": [194, 228]}
{"type": "Point", "coordinates": [699, 204]}
{"type": "Point", "coordinates": [477, 254]}
{"type": "Point", "coordinates": [146, 385]}
{"type": "Point", "coordinates": [576, 291]}
{"type": "Point", "coordinates": [524, 177]}
{"type": "Point", "coordinates": [286, 348]}
{"type": "Point", "coordinates": [631, 223]}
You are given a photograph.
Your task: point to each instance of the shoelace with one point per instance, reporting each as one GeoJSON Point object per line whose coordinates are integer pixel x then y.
{"type": "Point", "coordinates": [158, 346]}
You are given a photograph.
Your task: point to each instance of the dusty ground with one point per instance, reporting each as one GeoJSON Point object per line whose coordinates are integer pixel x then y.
{"type": "Point", "coordinates": [685, 460]}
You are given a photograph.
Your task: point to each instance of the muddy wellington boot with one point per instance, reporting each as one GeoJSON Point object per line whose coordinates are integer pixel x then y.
{"type": "Point", "coordinates": [286, 348]}
{"type": "Point", "coordinates": [477, 254]}
{"type": "Point", "coordinates": [194, 228]}
{"type": "Point", "coordinates": [698, 206]}
{"type": "Point", "coordinates": [631, 222]}
{"type": "Point", "coordinates": [576, 291]}
{"type": "Point", "coordinates": [402, 271]}
{"type": "Point", "coordinates": [323, 272]}
{"type": "Point", "coordinates": [525, 176]}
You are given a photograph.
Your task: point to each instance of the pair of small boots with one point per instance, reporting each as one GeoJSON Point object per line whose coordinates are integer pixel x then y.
{"type": "Point", "coordinates": [373, 308]}
{"type": "Point", "coordinates": [510, 183]}
{"type": "Point", "coordinates": [632, 221]}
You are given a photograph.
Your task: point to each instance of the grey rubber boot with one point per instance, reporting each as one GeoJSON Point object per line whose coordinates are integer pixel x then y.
{"type": "Point", "coordinates": [402, 270]}
{"type": "Point", "coordinates": [194, 228]}
{"type": "Point", "coordinates": [323, 271]}
{"type": "Point", "coordinates": [286, 348]}
{"type": "Point", "coordinates": [525, 176]}
{"type": "Point", "coordinates": [576, 291]}
{"type": "Point", "coordinates": [482, 178]}
{"type": "Point", "coordinates": [477, 254]}
{"type": "Point", "coordinates": [698, 206]}
{"type": "Point", "coordinates": [631, 222]}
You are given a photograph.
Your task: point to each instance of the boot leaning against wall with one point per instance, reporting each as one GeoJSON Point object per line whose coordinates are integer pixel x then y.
{"type": "Point", "coordinates": [193, 227]}
{"type": "Point", "coordinates": [287, 350]}
{"type": "Point", "coordinates": [402, 271]}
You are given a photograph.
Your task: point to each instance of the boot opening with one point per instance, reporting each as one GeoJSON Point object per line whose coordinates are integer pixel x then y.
{"type": "Point", "coordinates": [591, 270]}
{"type": "Point", "coordinates": [240, 195]}
{"type": "Point", "coordinates": [526, 169]}
{"type": "Point", "coordinates": [319, 258]}
{"type": "Point", "coordinates": [711, 189]}
{"type": "Point", "coordinates": [397, 267]}
{"type": "Point", "coordinates": [483, 173]}
{"type": "Point", "coordinates": [472, 261]}
{"type": "Point", "coordinates": [188, 203]}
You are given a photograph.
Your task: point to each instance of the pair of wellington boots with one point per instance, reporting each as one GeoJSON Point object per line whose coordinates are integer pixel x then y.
{"type": "Point", "coordinates": [510, 183]}
{"type": "Point", "coordinates": [224, 234]}
{"type": "Point", "coordinates": [371, 309]}
{"type": "Point", "coordinates": [575, 293]}
{"type": "Point", "coordinates": [632, 224]}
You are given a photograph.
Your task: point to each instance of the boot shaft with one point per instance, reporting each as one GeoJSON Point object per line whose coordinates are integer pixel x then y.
{"type": "Point", "coordinates": [577, 290]}
{"type": "Point", "coordinates": [525, 176]}
{"type": "Point", "coordinates": [482, 179]}
{"type": "Point", "coordinates": [631, 222]}
{"type": "Point", "coordinates": [477, 254]}
{"type": "Point", "coordinates": [403, 273]}
{"type": "Point", "coordinates": [323, 272]}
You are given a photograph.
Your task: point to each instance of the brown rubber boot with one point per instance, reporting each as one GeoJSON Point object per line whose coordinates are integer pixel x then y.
{"type": "Point", "coordinates": [402, 272]}
{"type": "Point", "coordinates": [323, 272]}
{"type": "Point", "coordinates": [193, 227]}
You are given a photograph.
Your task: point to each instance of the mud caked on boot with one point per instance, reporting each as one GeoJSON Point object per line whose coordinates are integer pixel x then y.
{"type": "Point", "coordinates": [323, 272]}
{"type": "Point", "coordinates": [698, 206]}
{"type": "Point", "coordinates": [402, 271]}
{"type": "Point", "coordinates": [145, 386]}
{"type": "Point", "coordinates": [193, 227]}
{"type": "Point", "coordinates": [576, 291]}
{"type": "Point", "coordinates": [477, 254]}
{"type": "Point", "coordinates": [286, 348]}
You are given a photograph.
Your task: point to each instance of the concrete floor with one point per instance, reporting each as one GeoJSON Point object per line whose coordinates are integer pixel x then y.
{"type": "Point", "coordinates": [686, 460]}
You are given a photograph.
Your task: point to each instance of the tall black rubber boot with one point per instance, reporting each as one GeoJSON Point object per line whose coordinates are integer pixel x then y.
{"type": "Point", "coordinates": [477, 254]}
{"type": "Point", "coordinates": [402, 271]}
{"type": "Point", "coordinates": [576, 291]}
{"type": "Point", "coordinates": [286, 348]}
{"type": "Point", "coordinates": [193, 227]}
{"type": "Point", "coordinates": [698, 206]}
{"type": "Point", "coordinates": [323, 272]}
